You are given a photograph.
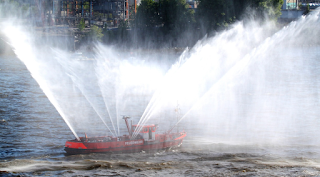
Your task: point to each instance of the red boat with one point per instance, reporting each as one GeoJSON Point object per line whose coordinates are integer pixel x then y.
{"type": "Point", "coordinates": [146, 140]}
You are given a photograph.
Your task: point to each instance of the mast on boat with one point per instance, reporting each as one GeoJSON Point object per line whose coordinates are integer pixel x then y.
{"type": "Point", "coordinates": [177, 110]}
{"type": "Point", "coordinates": [128, 127]}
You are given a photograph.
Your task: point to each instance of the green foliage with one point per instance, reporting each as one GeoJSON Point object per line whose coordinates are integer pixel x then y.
{"type": "Point", "coordinates": [81, 25]}
{"type": "Point", "coordinates": [175, 14]}
{"type": "Point", "coordinates": [95, 33]}
{"type": "Point", "coordinates": [147, 14]}
{"type": "Point", "coordinates": [171, 14]}
{"type": "Point", "coordinates": [216, 14]}
{"type": "Point", "coordinates": [86, 5]}
{"type": "Point", "coordinates": [220, 13]}
{"type": "Point", "coordinates": [270, 9]}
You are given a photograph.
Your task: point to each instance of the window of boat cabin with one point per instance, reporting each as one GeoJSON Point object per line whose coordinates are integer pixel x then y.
{"type": "Point", "coordinates": [146, 130]}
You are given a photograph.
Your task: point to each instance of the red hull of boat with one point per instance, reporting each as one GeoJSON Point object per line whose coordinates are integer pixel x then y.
{"type": "Point", "coordinates": [100, 144]}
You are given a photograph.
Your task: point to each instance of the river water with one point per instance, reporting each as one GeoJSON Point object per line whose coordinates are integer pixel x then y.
{"type": "Point", "coordinates": [249, 100]}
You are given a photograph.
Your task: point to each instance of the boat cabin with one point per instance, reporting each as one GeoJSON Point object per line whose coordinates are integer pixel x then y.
{"type": "Point", "coordinates": [148, 132]}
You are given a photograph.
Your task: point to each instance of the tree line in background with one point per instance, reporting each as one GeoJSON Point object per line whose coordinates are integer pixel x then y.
{"type": "Point", "coordinates": [171, 23]}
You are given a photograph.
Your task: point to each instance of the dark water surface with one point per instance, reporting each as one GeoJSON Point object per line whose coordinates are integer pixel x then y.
{"type": "Point", "coordinates": [27, 117]}
{"type": "Point", "coordinates": [33, 134]}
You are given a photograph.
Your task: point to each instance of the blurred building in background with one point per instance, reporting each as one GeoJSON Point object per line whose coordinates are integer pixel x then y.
{"type": "Point", "coordinates": [109, 13]}
{"type": "Point", "coordinates": [290, 4]}
{"type": "Point", "coordinates": [300, 4]}
{"type": "Point", "coordinates": [99, 12]}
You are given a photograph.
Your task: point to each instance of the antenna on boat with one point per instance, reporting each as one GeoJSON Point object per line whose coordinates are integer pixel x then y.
{"type": "Point", "coordinates": [126, 120]}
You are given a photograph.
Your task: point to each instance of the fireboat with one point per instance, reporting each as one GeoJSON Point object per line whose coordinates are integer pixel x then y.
{"type": "Point", "coordinates": [146, 140]}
